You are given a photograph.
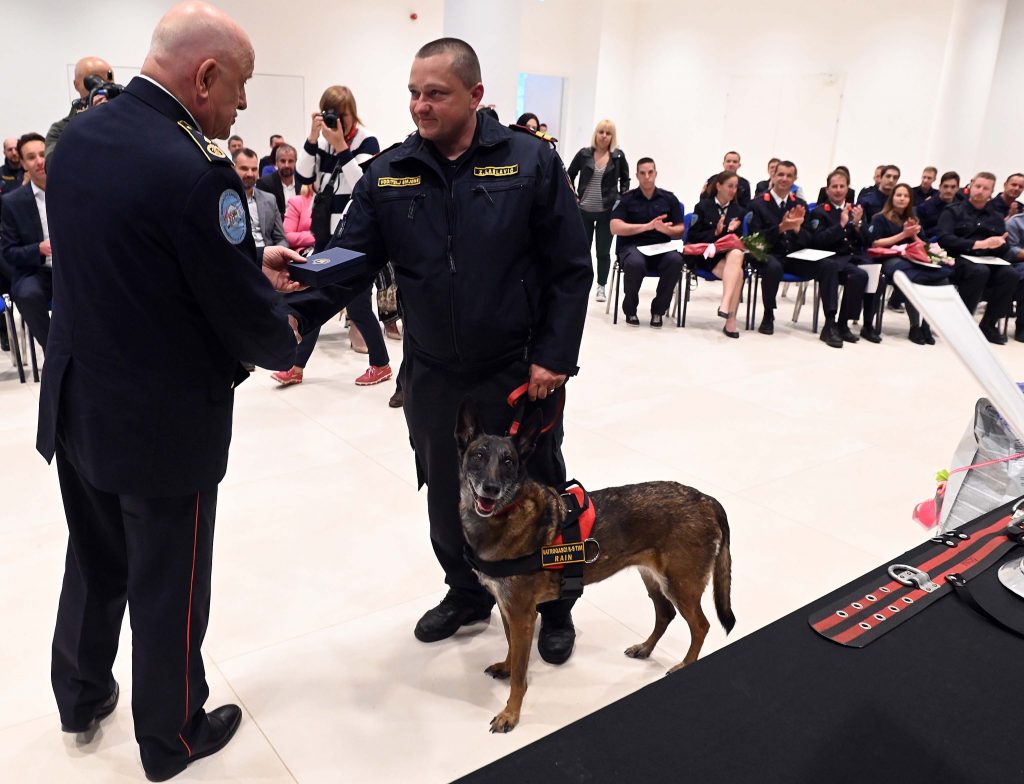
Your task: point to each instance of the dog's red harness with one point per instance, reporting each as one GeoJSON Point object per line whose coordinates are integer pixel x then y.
{"type": "Point", "coordinates": [585, 520]}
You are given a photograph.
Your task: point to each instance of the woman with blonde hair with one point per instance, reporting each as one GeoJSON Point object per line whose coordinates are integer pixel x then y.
{"type": "Point", "coordinates": [603, 177]}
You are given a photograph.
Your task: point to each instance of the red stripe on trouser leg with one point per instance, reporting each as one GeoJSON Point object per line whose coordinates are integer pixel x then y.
{"type": "Point", "coordinates": [188, 621]}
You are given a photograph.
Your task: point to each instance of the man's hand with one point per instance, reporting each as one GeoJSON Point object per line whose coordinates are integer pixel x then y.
{"type": "Point", "coordinates": [652, 225]}
{"type": "Point", "coordinates": [294, 324]}
{"type": "Point", "coordinates": [98, 99]}
{"type": "Point", "coordinates": [543, 382]}
{"type": "Point", "coordinates": [991, 243]}
{"type": "Point", "coordinates": [664, 227]}
{"type": "Point", "coordinates": [793, 219]}
{"type": "Point", "coordinates": [44, 248]}
{"type": "Point", "coordinates": [275, 267]}
{"type": "Point", "coordinates": [844, 217]}
{"type": "Point", "coordinates": [857, 213]}
{"type": "Point", "coordinates": [1014, 208]}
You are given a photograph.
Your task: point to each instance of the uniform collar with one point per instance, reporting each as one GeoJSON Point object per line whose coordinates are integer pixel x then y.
{"type": "Point", "coordinates": [150, 91]}
{"type": "Point", "coordinates": [489, 133]}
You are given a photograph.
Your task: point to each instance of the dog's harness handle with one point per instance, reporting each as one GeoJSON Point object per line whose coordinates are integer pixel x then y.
{"type": "Point", "coordinates": [518, 400]}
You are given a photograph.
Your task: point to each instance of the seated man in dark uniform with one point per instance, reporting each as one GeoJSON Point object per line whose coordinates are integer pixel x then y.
{"type": "Point", "coordinates": [873, 199]}
{"type": "Point", "coordinates": [730, 163]}
{"type": "Point", "coordinates": [926, 189]}
{"type": "Point", "coordinates": [25, 240]}
{"type": "Point", "coordinates": [643, 216]}
{"type": "Point", "coordinates": [763, 186]}
{"type": "Point", "coordinates": [928, 211]}
{"type": "Point", "coordinates": [1006, 203]}
{"type": "Point", "coordinates": [974, 228]}
{"type": "Point", "coordinates": [835, 226]}
{"type": "Point", "coordinates": [876, 178]}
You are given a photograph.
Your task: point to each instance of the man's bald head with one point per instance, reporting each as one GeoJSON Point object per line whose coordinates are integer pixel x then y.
{"type": "Point", "coordinates": [203, 57]}
{"type": "Point", "coordinates": [11, 153]}
{"type": "Point", "coordinates": [91, 66]}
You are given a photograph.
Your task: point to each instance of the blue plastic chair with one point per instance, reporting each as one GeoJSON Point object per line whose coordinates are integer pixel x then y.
{"type": "Point", "coordinates": [692, 273]}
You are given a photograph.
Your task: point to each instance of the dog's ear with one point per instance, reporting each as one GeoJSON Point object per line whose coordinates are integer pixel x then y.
{"type": "Point", "coordinates": [526, 439]}
{"type": "Point", "coordinates": [467, 424]}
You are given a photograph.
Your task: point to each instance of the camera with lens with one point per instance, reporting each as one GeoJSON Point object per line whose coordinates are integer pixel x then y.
{"type": "Point", "coordinates": [330, 118]}
{"type": "Point", "coordinates": [97, 86]}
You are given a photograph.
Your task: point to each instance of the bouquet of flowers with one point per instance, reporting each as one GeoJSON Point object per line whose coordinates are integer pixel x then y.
{"type": "Point", "coordinates": [757, 246]}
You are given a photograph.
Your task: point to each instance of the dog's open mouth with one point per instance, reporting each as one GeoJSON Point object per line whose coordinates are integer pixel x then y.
{"type": "Point", "coordinates": [485, 506]}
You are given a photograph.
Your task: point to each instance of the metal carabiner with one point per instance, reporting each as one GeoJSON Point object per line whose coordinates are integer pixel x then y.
{"type": "Point", "coordinates": [912, 576]}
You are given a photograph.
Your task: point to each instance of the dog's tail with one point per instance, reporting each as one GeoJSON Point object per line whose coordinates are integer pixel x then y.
{"type": "Point", "coordinates": [723, 572]}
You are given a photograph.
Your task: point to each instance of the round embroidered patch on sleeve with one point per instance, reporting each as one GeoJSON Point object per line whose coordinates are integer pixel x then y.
{"type": "Point", "coordinates": [231, 213]}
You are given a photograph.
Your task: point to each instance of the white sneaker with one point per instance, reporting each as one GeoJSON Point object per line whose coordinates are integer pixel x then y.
{"type": "Point", "coordinates": [600, 296]}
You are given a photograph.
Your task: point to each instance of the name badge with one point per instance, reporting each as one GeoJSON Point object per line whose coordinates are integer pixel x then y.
{"type": "Point", "coordinates": [555, 555]}
{"type": "Point", "coordinates": [398, 182]}
{"type": "Point", "coordinates": [496, 171]}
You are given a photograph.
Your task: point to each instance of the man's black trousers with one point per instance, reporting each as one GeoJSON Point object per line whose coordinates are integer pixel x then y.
{"type": "Point", "coordinates": [155, 555]}
{"type": "Point", "coordinates": [432, 398]}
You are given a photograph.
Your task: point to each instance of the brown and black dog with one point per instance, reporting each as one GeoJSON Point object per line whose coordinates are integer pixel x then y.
{"type": "Point", "coordinates": [677, 536]}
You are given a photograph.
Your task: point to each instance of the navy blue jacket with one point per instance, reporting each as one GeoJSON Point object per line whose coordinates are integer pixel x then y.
{"type": "Point", "coordinates": [767, 216]}
{"type": "Point", "coordinates": [491, 268]}
{"type": "Point", "coordinates": [157, 295]}
{"type": "Point", "coordinates": [828, 233]}
{"type": "Point", "coordinates": [998, 203]}
{"type": "Point", "coordinates": [928, 213]}
{"type": "Point", "coordinates": [705, 220]}
{"type": "Point", "coordinates": [873, 201]}
{"type": "Point", "coordinates": [961, 225]}
{"type": "Point", "coordinates": [21, 232]}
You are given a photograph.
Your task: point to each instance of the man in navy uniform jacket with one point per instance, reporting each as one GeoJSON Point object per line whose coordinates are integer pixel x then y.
{"type": "Point", "coordinates": [156, 298]}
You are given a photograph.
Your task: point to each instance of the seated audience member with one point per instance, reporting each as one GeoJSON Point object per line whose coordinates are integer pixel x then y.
{"type": "Point", "coordinates": [974, 227]}
{"type": "Point", "coordinates": [895, 224]}
{"type": "Point", "coordinates": [925, 191]}
{"type": "Point", "coordinates": [235, 144]}
{"type": "Point", "coordinates": [603, 176]}
{"type": "Point", "coordinates": [264, 218]}
{"type": "Point", "coordinates": [928, 212]}
{"type": "Point", "coordinates": [1015, 241]}
{"type": "Point", "coordinates": [281, 182]}
{"type": "Point", "coordinates": [877, 178]}
{"type": "Point", "coordinates": [730, 163]}
{"type": "Point", "coordinates": [25, 240]}
{"type": "Point", "coordinates": [715, 216]}
{"type": "Point", "coordinates": [268, 160]}
{"type": "Point", "coordinates": [542, 128]}
{"type": "Point", "coordinates": [779, 216]}
{"type": "Point", "coordinates": [765, 185]}
{"type": "Point", "coordinates": [12, 175]}
{"type": "Point", "coordinates": [874, 199]}
{"type": "Point", "coordinates": [297, 219]}
{"type": "Point", "coordinates": [1006, 203]}
{"type": "Point", "coordinates": [835, 225]}
{"type": "Point", "coordinates": [823, 192]}
{"type": "Point", "coordinates": [647, 215]}
{"type": "Point", "coordinates": [529, 120]}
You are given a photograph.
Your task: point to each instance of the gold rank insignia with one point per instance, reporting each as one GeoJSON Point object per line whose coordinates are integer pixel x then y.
{"type": "Point", "coordinates": [213, 153]}
{"type": "Point", "coordinates": [496, 171]}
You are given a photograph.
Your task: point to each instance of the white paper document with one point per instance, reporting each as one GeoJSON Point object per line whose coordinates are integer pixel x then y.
{"type": "Point", "coordinates": [810, 254]}
{"type": "Point", "coordinates": [874, 272]}
{"type": "Point", "coordinates": [661, 247]}
{"type": "Point", "coordinates": [997, 262]}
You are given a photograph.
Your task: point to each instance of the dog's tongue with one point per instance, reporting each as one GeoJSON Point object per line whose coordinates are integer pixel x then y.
{"type": "Point", "coordinates": [486, 505]}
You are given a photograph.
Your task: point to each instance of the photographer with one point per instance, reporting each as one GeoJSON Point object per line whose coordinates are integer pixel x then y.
{"type": "Point", "coordinates": [94, 70]}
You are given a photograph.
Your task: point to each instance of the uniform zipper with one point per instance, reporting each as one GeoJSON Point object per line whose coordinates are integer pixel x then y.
{"type": "Point", "coordinates": [450, 214]}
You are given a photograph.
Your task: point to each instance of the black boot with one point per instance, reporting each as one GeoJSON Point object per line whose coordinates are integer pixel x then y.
{"type": "Point", "coordinates": [5, 342]}
{"type": "Point", "coordinates": [449, 616]}
{"type": "Point", "coordinates": [829, 336]}
{"type": "Point", "coordinates": [557, 637]}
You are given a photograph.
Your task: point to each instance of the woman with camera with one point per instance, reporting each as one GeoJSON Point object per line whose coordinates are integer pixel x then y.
{"type": "Point", "coordinates": [331, 158]}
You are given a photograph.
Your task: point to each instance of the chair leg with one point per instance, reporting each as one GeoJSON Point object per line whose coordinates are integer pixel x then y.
{"type": "Point", "coordinates": [883, 284]}
{"type": "Point", "coordinates": [32, 354]}
{"type": "Point", "coordinates": [683, 281]}
{"type": "Point", "coordinates": [13, 336]}
{"type": "Point", "coordinates": [817, 305]}
{"type": "Point", "coordinates": [686, 297]}
{"type": "Point", "coordinates": [608, 302]}
{"type": "Point", "coordinates": [785, 290]}
{"type": "Point", "coordinates": [755, 285]}
{"type": "Point", "coordinates": [801, 294]}
{"type": "Point", "coordinates": [618, 276]}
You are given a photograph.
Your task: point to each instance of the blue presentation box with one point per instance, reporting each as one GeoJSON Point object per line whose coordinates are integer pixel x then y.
{"type": "Point", "coordinates": [329, 267]}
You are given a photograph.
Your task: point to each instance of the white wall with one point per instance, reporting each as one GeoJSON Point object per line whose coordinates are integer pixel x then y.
{"type": "Point", "coordinates": [1000, 149]}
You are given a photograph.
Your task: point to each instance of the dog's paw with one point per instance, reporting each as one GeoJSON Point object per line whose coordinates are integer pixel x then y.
{"type": "Point", "coordinates": [677, 668]}
{"type": "Point", "coordinates": [499, 670]}
{"type": "Point", "coordinates": [505, 721]}
{"type": "Point", "coordinates": [637, 651]}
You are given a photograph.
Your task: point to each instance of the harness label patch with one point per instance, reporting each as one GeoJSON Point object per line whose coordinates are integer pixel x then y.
{"type": "Point", "coordinates": [552, 556]}
{"type": "Point", "coordinates": [398, 182]}
{"type": "Point", "coordinates": [496, 171]}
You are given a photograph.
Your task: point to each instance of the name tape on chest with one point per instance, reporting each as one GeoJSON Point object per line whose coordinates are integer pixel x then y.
{"type": "Point", "coordinates": [398, 182]}
{"type": "Point", "coordinates": [496, 171]}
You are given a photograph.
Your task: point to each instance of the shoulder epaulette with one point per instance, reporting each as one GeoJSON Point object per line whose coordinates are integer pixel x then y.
{"type": "Point", "coordinates": [544, 137]}
{"type": "Point", "coordinates": [366, 164]}
{"type": "Point", "coordinates": [211, 151]}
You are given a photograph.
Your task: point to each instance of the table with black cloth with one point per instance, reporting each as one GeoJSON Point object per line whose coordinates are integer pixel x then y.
{"type": "Point", "coordinates": [936, 699]}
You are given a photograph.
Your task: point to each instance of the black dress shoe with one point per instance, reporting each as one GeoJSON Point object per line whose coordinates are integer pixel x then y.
{"type": "Point", "coordinates": [222, 725]}
{"type": "Point", "coordinates": [5, 343]}
{"type": "Point", "coordinates": [992, 334]}
{"type": "Point", "coordinates": [397, 400]}
{"type": "Point", "coordinates": [656, 319]}
{"type": "Point", "coordinates": [104, 709]}
{"type": "Point", "coordinates": [729, 334]}
{"type": "Point", "coordinates": [1018, 334]}
{"type": "Point", "coordinates": [830, 337]}
{"type": "Point", "coordinates": [870, 335]}
{"type": "Point", "coordinates": [556, 640]}
{"type": "Point", "coordinates": [917, 336]}
{"type": "Point", "coordinates": [846, 335]}
{"type": "Point", "coordinates": [447, 618]}
{"type": "Point", "coordinates": [633, 321]}
{"type": "Point", "coordinates": [767, 326]}
{"type": "Point", "coordinates": [926, 331]}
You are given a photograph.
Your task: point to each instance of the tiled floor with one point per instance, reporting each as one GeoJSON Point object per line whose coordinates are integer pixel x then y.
{"type": "Point", "coordinates": [818, 456]}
